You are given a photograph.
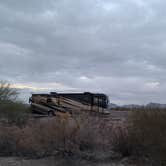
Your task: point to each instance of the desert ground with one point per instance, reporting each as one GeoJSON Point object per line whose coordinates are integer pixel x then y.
{"type": "Point", "coordinates": [63, 161]}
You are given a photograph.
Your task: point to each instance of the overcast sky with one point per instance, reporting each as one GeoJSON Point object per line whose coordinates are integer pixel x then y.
{"type": "Point", "coordinates": [113, 46]}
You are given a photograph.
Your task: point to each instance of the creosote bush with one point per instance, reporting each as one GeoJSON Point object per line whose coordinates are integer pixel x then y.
{"type": "Point", "coordinates": [15, 113]}
{"type": "Point", "coordinates": [144, 135]}
{"type": "Point", "coordinates": [93, 133]}
{"type": "Point", "coordinates": [12, 111]}
{"type": "Point", "coordinates": [7, 93]}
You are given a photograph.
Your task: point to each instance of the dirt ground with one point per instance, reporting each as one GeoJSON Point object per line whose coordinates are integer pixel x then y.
{"type": "Point", "coordinates": [119, 114]}
{"type": "Point", "coordinates": [58, 161]}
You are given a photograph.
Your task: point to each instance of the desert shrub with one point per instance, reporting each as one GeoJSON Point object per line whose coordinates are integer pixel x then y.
{"type": "Point", "coordinates": [36, 139]}
{"type": "Point", "coordinates": [40, 138]}
{"type": "Point", "coordinates": [14, 113]}
{"type": "Point", "coordinates": [7, 140]}
{"type": "Point", "coordinates": [11, 110]}
{"type": "Point", "coordinates": [149, 128]}
{"type": "Point", "coordinates": [93, 133]}
{"type": "Point", "coordinates": [84, 137]}
{"type": "Point", "coordinates": [7, 93]}
{"type": "Point", "coordinates": [120, 141]}
{"type": "Point", "coordinates": [144, 135]}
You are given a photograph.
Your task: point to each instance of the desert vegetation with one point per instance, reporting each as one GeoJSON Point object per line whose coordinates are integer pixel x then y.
{"type": "Point", "coordinates": [44, 138]}
{"type": "Point", "coordinates": [144, 136]}
{"type": "Point", "coordinates": [141, 135]}
{"type": "Point", "coordinates": [12, 111]}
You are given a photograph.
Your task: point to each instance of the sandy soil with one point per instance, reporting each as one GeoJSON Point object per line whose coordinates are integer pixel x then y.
{"type": "Point", "coordinates": [54, 161]}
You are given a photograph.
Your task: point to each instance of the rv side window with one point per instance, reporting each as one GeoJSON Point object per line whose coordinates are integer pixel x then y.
{"type": "Point", "coordinates": [95, 100]}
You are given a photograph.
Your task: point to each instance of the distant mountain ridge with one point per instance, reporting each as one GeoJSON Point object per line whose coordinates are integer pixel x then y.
{"type": "Point", "coordinates": [149, 105]}
{"type": "Point", "coordinates": [156, 105]}
{"type": "Point", "coordinates": [112, 105]}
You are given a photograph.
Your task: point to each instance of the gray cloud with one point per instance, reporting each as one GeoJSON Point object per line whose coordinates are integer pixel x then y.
{"type": "Point", "coordinates": [117, 47]}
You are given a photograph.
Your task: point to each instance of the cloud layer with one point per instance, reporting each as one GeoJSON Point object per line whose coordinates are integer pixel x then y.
{"type": "Point", "coordinates": [117, 47]}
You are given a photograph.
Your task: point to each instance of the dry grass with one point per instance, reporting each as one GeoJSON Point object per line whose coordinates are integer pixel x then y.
{"type": "Point", "coordinates": [35, 139]}
{"type": "Point", "coordinates": [44, 137]}
{"type": "Point", "coordinates": [144, 136]}
{"type": "Point", "coordinates": [14, 113]}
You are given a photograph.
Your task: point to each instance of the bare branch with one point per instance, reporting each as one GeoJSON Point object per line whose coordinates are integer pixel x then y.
{"type": "Point", "coordinates": [7, 93]}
